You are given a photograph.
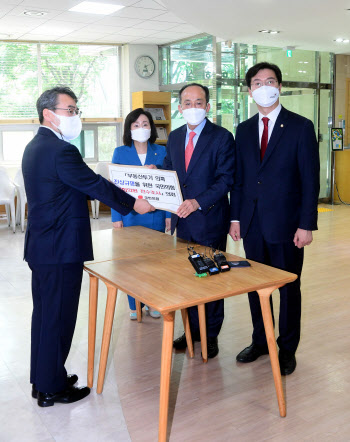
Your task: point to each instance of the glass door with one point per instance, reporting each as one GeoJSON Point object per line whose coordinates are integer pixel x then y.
{"type": "Point", "coordinates": [325, 115]}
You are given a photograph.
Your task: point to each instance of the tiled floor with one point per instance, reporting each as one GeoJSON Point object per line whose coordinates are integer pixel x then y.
{"type": "Point", "coordinates": [218, 401]}
{"type": "Point", "coordinates": [97, 418]}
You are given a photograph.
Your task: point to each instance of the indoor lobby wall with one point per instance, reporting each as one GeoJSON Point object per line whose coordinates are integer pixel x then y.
{"type": "Point", "coordinates": [131, 81]}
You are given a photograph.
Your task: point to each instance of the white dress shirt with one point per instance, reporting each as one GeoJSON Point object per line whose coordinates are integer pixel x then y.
{"type": "Point", "coordinates": [272, 116]}
{"type": "Point", "coordinates": [142, 157]}
{"type": "Point", "coordinates": [58, 135]}
{"type": "Point", "coordinates": [197, 130]}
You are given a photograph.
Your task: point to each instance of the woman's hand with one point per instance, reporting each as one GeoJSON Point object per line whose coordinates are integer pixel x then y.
{"type": "Point", "coordinates": [118, 224]}
{"type": "Point", "coordinates": [167, 224]}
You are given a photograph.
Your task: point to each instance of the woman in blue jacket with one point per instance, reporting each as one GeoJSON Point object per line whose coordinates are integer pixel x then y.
{"type": "Point", "coordinates": [139, 149]}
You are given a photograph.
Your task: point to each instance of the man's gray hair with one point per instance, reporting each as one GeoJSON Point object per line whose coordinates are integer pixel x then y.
{"type": "Point", "coordinates": [48, 99]}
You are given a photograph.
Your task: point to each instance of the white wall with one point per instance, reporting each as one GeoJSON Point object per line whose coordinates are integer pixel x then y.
{"type": "Point", "coordinates": [131, 82]}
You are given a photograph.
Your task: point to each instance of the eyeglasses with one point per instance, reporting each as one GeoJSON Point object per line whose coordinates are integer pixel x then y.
{"type": "Point", "coordinates": [71, 110]}
{"type": "Point", "coordinates": [269, 82]}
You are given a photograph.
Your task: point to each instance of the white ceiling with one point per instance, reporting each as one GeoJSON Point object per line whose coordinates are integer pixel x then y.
{"type": "Point", "coordinates": [140, 22]}
{"type": "Point", "coordinates": [305, 24]}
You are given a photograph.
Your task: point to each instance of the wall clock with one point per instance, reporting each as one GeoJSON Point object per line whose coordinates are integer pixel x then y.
{"type": "Point", "coordinates": [145, 66]}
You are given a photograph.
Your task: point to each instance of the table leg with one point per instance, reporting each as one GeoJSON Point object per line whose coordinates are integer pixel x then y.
{"type": "Point", "coordinates": [264, 296]}
{"type": "Point", "coordinates": [167, 351]}
{"type": "Point", "coordinates": [106, 337]}
{"type": "Point", "coordinates": [203, 331]}
{"type": "Point", "coordinates": [187, 329]}
{"type": "Point", "coordinates": [93, 297]}
{"type": "Point", "coordinates": [138, 311]}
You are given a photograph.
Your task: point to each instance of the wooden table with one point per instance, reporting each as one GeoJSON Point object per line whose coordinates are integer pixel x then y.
{"type": "Point", "coordinates": [154, 269]}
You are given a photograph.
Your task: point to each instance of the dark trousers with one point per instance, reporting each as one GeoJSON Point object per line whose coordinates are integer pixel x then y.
{"type": "Point", "coordinates": [285, 256]}
{"type": "Point", "coordinates": [55, 291]}
{"type": "Point", "coordinates": [214, 311]}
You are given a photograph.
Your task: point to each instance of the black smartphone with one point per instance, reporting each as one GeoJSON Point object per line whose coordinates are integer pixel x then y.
{"type": "Point", "coordinates": [212, 269]}
{"type": "Point", "coordinates": [238, 263]}
{"type": "Point", "coordinates": [198, 264]}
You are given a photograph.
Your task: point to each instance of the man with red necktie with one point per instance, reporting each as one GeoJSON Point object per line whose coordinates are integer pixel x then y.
{"type": "Point", "coordinates": [202, 154]}
{"type": "Point", "coordinates": [274, 203]}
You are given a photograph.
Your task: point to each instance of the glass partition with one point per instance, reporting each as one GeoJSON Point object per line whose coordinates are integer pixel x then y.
{"type": "Point", "coordinates": [307, 84]}
{"type": "Point", "coordinates": [302, 101]}
{"type": "Point", "coordinates": [301, 66]}
{"type": "Point", "coordinates": [325, 112]}
{"type": "Point", "coordinates": [188, 61]}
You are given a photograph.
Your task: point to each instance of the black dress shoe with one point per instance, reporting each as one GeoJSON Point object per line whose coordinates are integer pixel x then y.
{"type": "Point", "coordinates": [213, 348]}
{"type": "Point", "coordinates": [67, 396]}
{"type": "Point", "coordinates": [181, 343]}
{"type": "Point", "coordinates": [251, 353]}
{"type": "Point", "coordinates": [71, 380]}
{"type": "Point", "coordinates": [287, 362]}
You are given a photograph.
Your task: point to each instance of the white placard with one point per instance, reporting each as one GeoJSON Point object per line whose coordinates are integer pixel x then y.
{"type": "Point", "coordinates": [159, 187]}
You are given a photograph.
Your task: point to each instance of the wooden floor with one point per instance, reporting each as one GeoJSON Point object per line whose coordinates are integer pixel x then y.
{"type": "Point", "coordinates": [219, 401]}
{"type": "Point", "coordinates": [227, 401]}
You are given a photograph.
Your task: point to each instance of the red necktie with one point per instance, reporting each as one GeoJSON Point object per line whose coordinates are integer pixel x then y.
{"type": "Point", "coordinates": [264, 138]}
{"type": "Point", "coordinates": [189, 149]}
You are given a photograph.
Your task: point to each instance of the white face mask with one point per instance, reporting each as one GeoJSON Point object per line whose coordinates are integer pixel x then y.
{"type": "Point", "coordinates": [266, 96]}
{"type": "Point", "coordinates": [194, 115]}
{"type": "Point", "coordinates": [70, 127]}
{"type": "Point", "coordinates": [141, 134]}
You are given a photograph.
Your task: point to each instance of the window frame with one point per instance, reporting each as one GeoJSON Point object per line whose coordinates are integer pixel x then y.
{"type": "Point", "coordinates": [88, 124]}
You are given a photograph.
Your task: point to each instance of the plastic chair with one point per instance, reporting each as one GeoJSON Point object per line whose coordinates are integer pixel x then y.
{"type": "Point", "coordinates": [101, 169]}
{"type": "Point", "coordinates": [7, 197]}
{"type": "Point", "coordinates": [21, 199]}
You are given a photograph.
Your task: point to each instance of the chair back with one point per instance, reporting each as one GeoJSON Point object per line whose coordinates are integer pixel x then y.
{"type": "Point", "coordinates": [19, 183]}
{"type": "Point", "coordinates": [102, 169]}
{"type": "Point", "coordinates": [7, 188]}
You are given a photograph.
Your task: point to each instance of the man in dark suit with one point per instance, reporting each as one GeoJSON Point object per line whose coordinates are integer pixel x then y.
{"type": "Point", "coordinates": [58, 239]}
{"type": "Point", "coordinates": [202, 154]}
{"type": "Point", "coordinates": [274, 203]}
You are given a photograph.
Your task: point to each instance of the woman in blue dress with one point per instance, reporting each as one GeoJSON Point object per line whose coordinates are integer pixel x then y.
{"type": "Point", "coordinates": [139, 149]}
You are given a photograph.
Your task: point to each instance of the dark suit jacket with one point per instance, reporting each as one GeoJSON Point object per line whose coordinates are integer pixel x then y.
{"type": "Point", "coordinates": [284, 187]}
{"type": "Point", "coordinates": [208, 179]}
{"type": "Point", "coordinates": [57, 182]}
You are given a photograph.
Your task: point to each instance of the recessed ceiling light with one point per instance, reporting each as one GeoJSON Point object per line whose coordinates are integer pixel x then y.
{"type": "Point", "coordinates": [96, 8]}
{"type": "Point", "coordinates": [35, 13]}
{"type": "Point", "coordinates": [342, 40]}
{"type": "Point", "coordinates": [269, 31]}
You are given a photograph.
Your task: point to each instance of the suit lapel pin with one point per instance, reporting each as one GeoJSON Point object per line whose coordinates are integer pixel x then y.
{"type": "Point", "coordinates": [281, 125]}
